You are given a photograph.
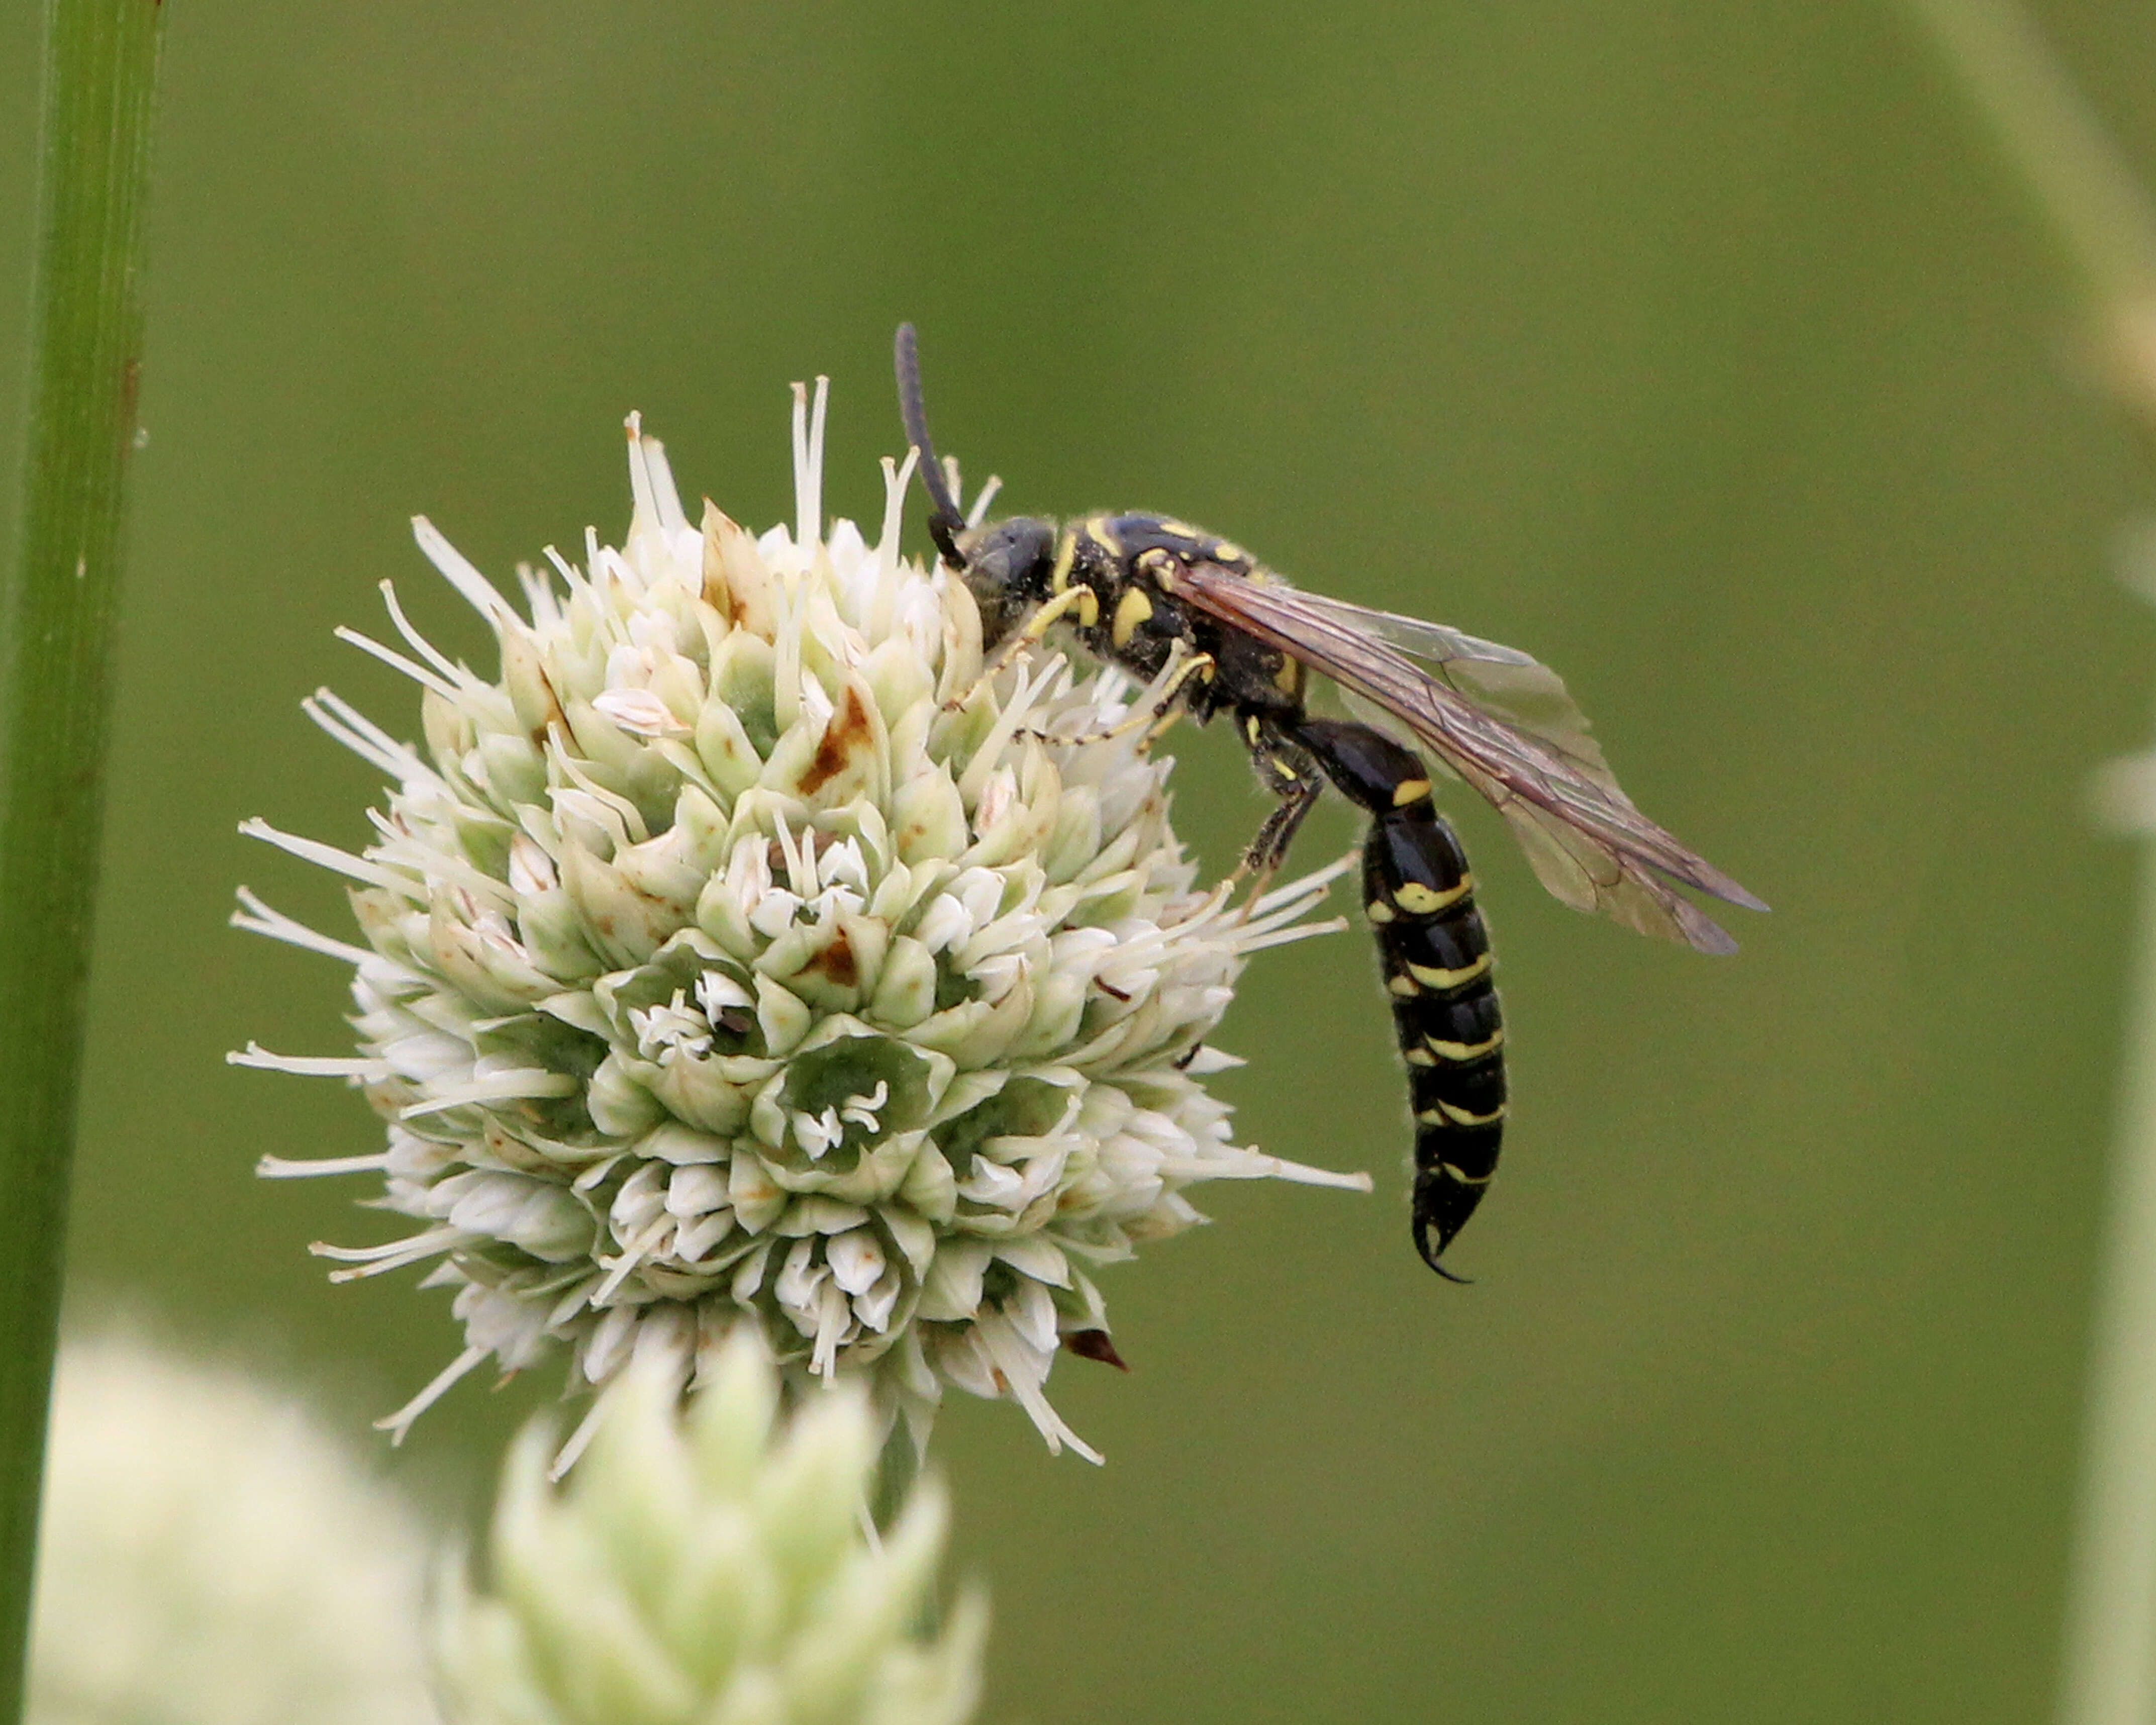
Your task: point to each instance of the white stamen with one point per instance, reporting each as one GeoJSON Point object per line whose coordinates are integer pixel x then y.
{"type": "Point", "coordinates": [257, 918]}
{"type": "Point", "coordinates": [479, 592]}
{"type": "Point", "coordinates": [896, 476]}
{"type": "Point", "coordinates": [808, 465]}
{"type": "Point", "coordinates": [1256, 1165]}
{"type": "Point", "coordinates": [1021, 1372]}
{"type": "Point", "coordinates": [396, 661]}
{"type": "Point", "coordinates": [368, 1071]}
{"type": "Point", "coordinates": [1287, 937]}
{"type": "Point", "coordinates": [523, 1084]}
{"type": "Point", "coordinates": [356, 731]}
{"type": "Point", "coordinates": [281, 1167]}
{"type": "Point", "coordinates": [328, 856]}
{"type": "Point", "coordinates": [393, 1254]}
{"type": "Point", "coordinates": [580, 1439]}
{"type": "Point", "coordinates": [420, 644]}
{"type": "Point", "coordinates": [400, 1422]}
{"type": "Point", "coordinates": [862, 1110]}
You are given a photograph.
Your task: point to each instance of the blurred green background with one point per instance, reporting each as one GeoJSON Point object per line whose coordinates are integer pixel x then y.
{"type": "Point", "coordinates": [1699, 349]}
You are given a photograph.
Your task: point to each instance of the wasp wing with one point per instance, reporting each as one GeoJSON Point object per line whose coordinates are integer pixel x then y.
{"type": "Point", "coordinates": [1436, 641]}
{"type": "Point", "coordinates": [1502, 681]}
{"type": "Point", "coordinates": [1507, 725]}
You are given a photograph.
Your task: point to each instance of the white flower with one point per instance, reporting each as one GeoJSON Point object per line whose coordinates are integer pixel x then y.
{"type": "Point", "coordinates": [727, 964]}
{"type": "Point", "coordinates": [715, 1568]}
{"type": "Point", "coordinates": [208, 1555]}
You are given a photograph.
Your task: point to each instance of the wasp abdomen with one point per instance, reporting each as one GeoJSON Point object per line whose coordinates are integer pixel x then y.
{"type": "Point", "coordinates": [1438, 970]}
{"type": "Point", "coordinates": [1420, 896]}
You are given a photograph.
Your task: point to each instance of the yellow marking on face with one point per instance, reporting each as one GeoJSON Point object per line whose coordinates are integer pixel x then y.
{"type": "Point", "coordinates": [1462, 1117]}
{"type": "Point", "coordinates": [1089, 608]}
{"type": "Point", "coordinates": [1410, 790]}
{"type": "Point", "coordinates": [1133, 608]}
{"type": "Point", "coordinates": [1404, 986]}
{"type": "Point", "coordinates": [1378, 911]}
{"type": "Point", "coordinates": [1288, 679]}
{"type": "Point", "coordinates": [1462, 1175]}
{"type": "Point", "coordinates": [1252, 725]}
{"type": "Point", "coordinates": [1420, 1057]}
{"type": "Point", "coordinates": [1286, 772]}
{"type": "Point", "coordinates": [1066, 553]}
{"type": "Point", "coordinates": [1464, 1050]}
{"type": "Point", "coordinates": [1417, 900]}
{"type": "Point", "coordinates": [1430, 977]}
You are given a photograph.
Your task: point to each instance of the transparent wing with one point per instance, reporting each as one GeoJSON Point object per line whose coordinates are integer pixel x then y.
{"type": "Point", "coordinates": [1507, 726]}
{"type": "Point", "coordinates": [1432, 641]}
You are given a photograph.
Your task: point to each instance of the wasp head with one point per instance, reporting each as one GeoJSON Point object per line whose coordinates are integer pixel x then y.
{"type": "Point", "coordinates": [1007, 567]}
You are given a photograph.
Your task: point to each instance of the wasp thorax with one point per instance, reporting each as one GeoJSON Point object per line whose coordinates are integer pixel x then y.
{"type": "Point", "coordinates": [1009, 566]}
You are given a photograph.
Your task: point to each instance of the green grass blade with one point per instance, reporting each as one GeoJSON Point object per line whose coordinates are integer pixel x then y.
{"type": "Point", "coordinates": [57, 606]}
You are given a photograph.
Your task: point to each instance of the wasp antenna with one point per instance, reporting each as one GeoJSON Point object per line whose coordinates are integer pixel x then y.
{"type": "Point", "coordinates": [946, 520]}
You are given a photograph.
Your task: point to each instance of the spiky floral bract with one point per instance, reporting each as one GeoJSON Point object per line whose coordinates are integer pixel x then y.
{"type": "Point", "coordinates": [711, 1567]}
{"type": "Point", "coordinates": [734, 959]}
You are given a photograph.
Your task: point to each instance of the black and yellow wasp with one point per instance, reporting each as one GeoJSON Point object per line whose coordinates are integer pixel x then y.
{"type": "Point", "coordinates": [1217, 632]}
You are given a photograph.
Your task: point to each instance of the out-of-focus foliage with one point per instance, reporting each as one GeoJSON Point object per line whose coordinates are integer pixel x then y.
{"type": "Point", "coordinates": [1698, 350]}
{"type": "Point", "coordinates": [211, 1553]}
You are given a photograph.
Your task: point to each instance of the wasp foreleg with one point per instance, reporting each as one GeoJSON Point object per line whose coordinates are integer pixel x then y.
{"type": "Point", "coordinates": [1080, 599]}
{"type": "Point", "coordinates": [1155, 717]}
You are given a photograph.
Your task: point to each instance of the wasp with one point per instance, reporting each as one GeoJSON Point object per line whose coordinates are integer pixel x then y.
{"type": "Point", "coordinates": [1217, 633]}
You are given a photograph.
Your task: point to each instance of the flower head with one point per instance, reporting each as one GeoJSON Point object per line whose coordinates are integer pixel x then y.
{"type": "Point", "coordinates": [716, 1568]}
{"type": "Point", "coordinates": [208, 1554]}
{"type": "Point", "coordinates": [732, 960]}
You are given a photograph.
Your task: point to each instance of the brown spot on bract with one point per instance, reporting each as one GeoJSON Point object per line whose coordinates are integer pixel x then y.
{"type": "Point", "coordinates": [848, 732]}
{"type": "Point", "coordinates": [837, 962]}
{"type": "Point", "coordinates": [718, 593]}
{"type": "Point", "coordinates": [1094, 1344]}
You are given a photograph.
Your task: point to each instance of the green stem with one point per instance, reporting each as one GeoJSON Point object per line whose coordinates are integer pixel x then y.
{"type": "Point", "coordinates": [56, 624]}
{"type": "Point", "coordinates": [2097, 208]}
{"type": "Point", "coordinates": [2095, 202]}
{"type": "Point", "coordinates": [2108, 1675]}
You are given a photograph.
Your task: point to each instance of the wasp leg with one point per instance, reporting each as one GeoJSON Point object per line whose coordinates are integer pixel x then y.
{"type": "Point", "coordinates": [1290, 772]}
{"type": "Point", "coordinates": [1159, 713]}
{"type": "Point", "coordinates": [1037, 626]}
{"type": "Point", "coordinates": [1176, 701]}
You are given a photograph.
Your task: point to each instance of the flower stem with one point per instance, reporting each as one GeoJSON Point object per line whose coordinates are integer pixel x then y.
{"type": "Point", "coordinates": [2097, 208]}
{"type": "Point", "coordinates": [2100, 213]}
{"type": "Point", "coordinates": [57, 605]}
{"type": "Point", "coordinates": [2109, 1670]}
{"type": "Point", "coordinates": [2095, 204]}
